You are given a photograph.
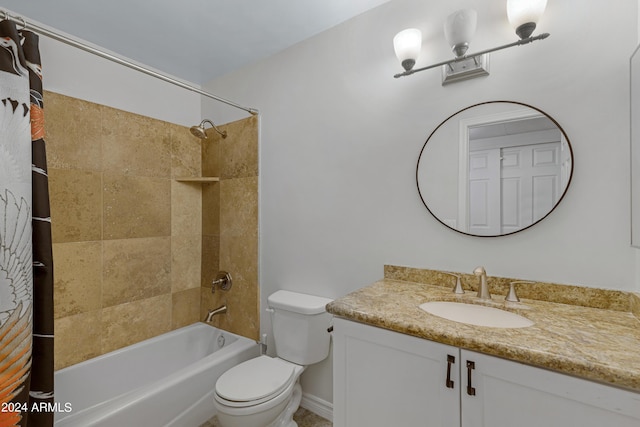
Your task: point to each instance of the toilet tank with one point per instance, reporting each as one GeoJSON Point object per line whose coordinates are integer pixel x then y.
{"type": "Point", "coordinates": [300, 323]}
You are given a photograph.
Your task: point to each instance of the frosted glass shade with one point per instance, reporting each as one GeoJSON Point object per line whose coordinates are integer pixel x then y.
{"type": "Point", "coordinates": [407, 44]}
{"type": "Point", "coordinates": [525, 14]}
{"type": "Point", "coordinates": [459, 29]}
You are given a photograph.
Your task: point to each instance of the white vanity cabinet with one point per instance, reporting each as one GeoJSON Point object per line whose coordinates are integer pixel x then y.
{"type": "Point", "coordinates": [383, 378]}
{"type": "Point", "coordinates": [513, 394]}
{"type": "Point", "coordinates": [386, 379]}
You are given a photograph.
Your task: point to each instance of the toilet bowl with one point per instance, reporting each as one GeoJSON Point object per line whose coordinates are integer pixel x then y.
{"type": "Point", "coordinates": [265, 391]}
{"type": "Point", "coordinates": [261, 392]}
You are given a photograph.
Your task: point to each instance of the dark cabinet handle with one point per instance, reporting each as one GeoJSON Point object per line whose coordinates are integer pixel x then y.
{"type": "Point", "coordinates": [471, 391]}
{"type": "Point", "coordinates": [450, 361]}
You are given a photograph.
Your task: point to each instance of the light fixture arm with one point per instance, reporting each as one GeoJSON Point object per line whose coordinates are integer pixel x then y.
{"type": "Point", "coordinates": [472, 55]}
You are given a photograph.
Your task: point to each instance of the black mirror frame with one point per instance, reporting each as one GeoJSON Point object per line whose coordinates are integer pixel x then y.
{"type": "Point", "coordinates": [493, 102]}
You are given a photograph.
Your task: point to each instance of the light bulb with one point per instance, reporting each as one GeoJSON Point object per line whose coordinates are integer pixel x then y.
{"type": "Point", "coordinates": [459, 29]}
{"type": "Point", "coordinates": [407, 45]}
{"type": "Point", "coordinates": [524, 15]}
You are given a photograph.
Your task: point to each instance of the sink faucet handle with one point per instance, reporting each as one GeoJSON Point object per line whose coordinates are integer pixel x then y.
{"type": "Point", "coordinates": [457, 289]}
{"type": "Point", "coordinates": [511, 296]}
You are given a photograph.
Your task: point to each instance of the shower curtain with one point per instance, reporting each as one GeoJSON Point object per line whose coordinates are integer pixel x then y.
{"type": "Point", "coordinates": [26, 265]}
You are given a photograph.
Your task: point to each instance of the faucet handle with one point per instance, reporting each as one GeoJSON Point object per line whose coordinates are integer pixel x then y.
{"type": "Point", "coordinates": [457, 289]}
{"type": "Point", "coordinates": [223, 280]}
{"type": "Point", "coordinates": [511, 296]}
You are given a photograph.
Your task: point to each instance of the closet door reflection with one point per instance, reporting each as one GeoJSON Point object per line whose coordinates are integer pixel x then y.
{"type": "Point", "coordinates": [513, 186]}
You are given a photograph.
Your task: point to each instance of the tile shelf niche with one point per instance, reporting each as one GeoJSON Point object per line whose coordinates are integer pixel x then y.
{"type": "Point", "coordinates": [197, 179]}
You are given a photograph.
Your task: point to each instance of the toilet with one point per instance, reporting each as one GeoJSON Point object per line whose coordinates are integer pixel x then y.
{"type": "Point", "coordinates": [265, 391]}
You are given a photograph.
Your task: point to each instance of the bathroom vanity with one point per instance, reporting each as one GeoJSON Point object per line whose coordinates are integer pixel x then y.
{"type": "Point", "coordinates": [395, 364]}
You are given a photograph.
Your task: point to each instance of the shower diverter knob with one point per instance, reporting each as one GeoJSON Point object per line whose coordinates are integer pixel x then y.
{"type": "Point", "coordinates": [223, 281]}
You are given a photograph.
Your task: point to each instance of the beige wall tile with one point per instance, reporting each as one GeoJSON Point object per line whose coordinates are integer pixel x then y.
{"type": "Point", "coordinates": [186, 308]}
{"type": "Point", "coordinates": [78, 278]}
{"type": "Point", "coordinates": [239, 255]}
{"type": "Point", "coordinates": [76, 200]}
{"type": "Point", "coordinates": [135, 145]}
{"type": "Point", "coordinates": [136, 269]}
{"type": "Point", "coordinates": [73, 133]}
{"type": "Point", "coordinates": [186, 152]}
{"type": "Point", "coordinates": [239, 206]}
{"type": "Point", "coordinates": [244, 316]}
{"type": "Point", "coordinates": [186, 208]}
{"type": "Point", "coordinates": [136, 207]}
{"type": "Point", "coordinates": [210, 259]}
{"type": "Point", "coordinates": [211, 154]}
{"type": "Point", "coordinates": [160, 237]}
{"type": "Point", "coordinates": [208, 301]}
{"type": "Point", "coordinates": [239, 151]}
{"type": "Point", "coordinates": [211, 209]}
{"type": "Point", "coordinates": [110, 176]}
{"type": "Point", "coordinates": [236, 200]}
{"type": "Point", "coordinates": [129, 323]}
{"type": "Point", "coordinates": [77, 338]}
{"type": "Point", "coordinates": [186, 256]}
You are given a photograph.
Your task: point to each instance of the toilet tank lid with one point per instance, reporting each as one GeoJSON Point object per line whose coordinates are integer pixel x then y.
{"type": "Point", "coordinates": [297, 302]}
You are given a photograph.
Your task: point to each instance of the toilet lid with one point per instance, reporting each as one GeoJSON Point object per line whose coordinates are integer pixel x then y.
{"type": "Point", "coordinates": [256, 379]}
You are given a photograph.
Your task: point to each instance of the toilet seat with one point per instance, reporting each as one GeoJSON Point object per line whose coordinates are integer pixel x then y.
{"type": "Point", "coordinates": [255, 381]}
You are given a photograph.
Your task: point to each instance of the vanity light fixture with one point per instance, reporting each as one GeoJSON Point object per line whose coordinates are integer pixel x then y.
{"type": "Point", "coordinates": [407, 44]}
{"type": "Point", "coordinates": [459, 29]}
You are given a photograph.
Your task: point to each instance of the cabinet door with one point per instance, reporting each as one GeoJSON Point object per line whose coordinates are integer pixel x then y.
{"type": "Point", "coordinates": [382, 378]}
{"type": "Point", "coordinates": [512, 394]}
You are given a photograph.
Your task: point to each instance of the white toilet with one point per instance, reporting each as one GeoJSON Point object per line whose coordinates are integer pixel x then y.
{"type": "Point", "coordinates": [265, 391]}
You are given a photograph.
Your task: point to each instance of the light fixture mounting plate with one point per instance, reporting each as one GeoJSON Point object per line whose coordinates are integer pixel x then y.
{"type": "Point", "coordinates": [464, 69]}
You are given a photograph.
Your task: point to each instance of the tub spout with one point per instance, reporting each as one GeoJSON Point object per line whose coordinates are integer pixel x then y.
{"type": "Point", "coordinates": [220, 310]}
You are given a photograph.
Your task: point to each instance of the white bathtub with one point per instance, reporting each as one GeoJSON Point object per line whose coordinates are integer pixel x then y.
{"type": "Point", "coordinates": [164, 381]}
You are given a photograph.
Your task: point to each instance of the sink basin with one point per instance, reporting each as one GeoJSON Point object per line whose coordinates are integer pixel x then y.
{"type": "Point", "coordinates": [478, 315]}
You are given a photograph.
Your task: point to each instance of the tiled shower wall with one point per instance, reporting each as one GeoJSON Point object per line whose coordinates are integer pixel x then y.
{"type": "Point", "coordinates": [234, 231]}
{"type": "Point", "coordinates": [128, 238]}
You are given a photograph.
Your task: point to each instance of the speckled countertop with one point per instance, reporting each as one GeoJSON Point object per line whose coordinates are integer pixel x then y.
{"type": "Point", "coordinates": [600, 344]}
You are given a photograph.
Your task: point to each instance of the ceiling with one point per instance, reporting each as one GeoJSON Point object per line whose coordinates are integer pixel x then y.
{"type": "Point", "coordinates": [511, 127]}
{"type": "Point", "coordinates": [194, 40]}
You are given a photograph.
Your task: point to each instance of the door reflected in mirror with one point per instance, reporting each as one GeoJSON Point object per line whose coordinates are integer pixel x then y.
{"type": "Point", "coordinates": [494, 168]}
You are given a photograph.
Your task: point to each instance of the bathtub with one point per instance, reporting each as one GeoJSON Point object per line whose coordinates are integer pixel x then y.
{"type": "Point", "coordinates": [164, 381]}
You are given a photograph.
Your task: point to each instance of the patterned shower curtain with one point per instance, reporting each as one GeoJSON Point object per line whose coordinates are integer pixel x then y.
{"type": "Point", "coordinates": [26, 265]}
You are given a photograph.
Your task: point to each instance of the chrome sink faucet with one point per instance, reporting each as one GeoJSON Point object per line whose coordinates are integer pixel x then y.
{"type": "Point", "coordinates": [483, 288]}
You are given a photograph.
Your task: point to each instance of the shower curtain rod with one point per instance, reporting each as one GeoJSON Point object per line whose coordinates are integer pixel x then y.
{"type": "Point", "coordinates": [71, 42]}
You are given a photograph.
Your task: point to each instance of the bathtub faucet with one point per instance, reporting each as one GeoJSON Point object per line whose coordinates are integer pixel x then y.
{"type": "Point", "coordinates": [220, 310]}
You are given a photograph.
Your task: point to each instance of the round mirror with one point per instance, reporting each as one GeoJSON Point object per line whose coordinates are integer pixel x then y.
{"type": "Point", "coordinates": [494, 168]}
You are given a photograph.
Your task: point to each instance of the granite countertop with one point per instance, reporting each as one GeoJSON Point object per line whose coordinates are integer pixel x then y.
{"type": "Point", "coordinates": [593, 343]}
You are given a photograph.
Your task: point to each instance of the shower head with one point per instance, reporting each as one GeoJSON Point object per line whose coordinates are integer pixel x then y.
{"type": "Point", "coordinates": [200, 132]}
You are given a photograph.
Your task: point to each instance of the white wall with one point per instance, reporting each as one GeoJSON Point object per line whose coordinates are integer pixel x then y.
{"type": "Point", "coordinates": [73, 72]}
{"type": "Point", "coordinates": [340, 139]}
